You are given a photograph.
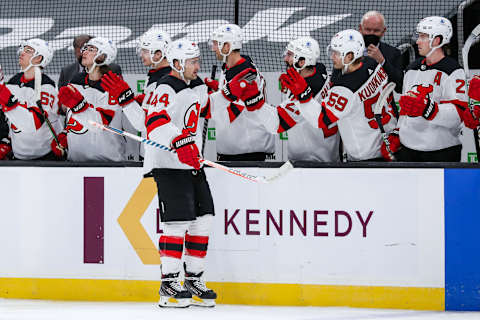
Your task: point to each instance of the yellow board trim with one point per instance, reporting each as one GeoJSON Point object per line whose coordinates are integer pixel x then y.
{"type": "Point", "coordinates": [229, 293]}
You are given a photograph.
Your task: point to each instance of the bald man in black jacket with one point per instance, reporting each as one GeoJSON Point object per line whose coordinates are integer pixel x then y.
{"type": "Point", "coordinates": [372, 27]}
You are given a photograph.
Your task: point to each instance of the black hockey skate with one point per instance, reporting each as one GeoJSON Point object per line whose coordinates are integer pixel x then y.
{"type": "Point", "coordinates": [172, 294]}
{"type": "Point", "coordinates": [201, 295]}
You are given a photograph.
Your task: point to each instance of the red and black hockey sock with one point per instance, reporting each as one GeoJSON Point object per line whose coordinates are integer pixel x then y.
{"type": "Point", "coordinates": [171, 246]}
{"type": "Point", "coordinates": [196, 246]}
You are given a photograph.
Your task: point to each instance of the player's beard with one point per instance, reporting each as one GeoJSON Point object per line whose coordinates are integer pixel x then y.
{"type": "Point", "coordinates": [288, 65]}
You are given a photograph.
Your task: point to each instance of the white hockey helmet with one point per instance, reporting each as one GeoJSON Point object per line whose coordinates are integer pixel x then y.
{"type": "Point", "coordinates": [434, 27]}
{"type": "Point", "coordinates": [105, 47]}
{"type": "Point", "coordinates": [42, 48]}
{"type": "Point", "coordinates": [304, 48]}
{"type": "Point", "coordinates": [181, 50]}
{"type": "Point", "coordinates": [228, 33]}
{"type": "Point", "coordinates": [345, 42]}
{"type": "Point", "coordinates": [153, 41]}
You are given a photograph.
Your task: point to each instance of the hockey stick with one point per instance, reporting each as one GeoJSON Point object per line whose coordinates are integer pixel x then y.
{"type": "Point", "coordinates": [263, 179]}
{"type": "Point", "coordinates": [473, 38]}
{"type": "Point", "coordinates": [205, 123]}
{"type": "Point", "coordinates": [38, 89]}
{"type": "Point", "coordinates": [377, 111]}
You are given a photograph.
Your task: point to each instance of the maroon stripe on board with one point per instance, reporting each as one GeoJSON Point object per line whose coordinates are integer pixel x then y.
{"type": "Point", "coordinates": [93, 216]}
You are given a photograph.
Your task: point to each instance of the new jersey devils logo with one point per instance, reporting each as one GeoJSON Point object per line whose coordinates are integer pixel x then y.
{"type": "Point", "coordinates": [190, 119]}
{"type": "Point", "coordinates": [423, 90]}
{"type": "Point", "coordinates": [75, 127]}
{"type": "Point", "coordinates": [15, 129]}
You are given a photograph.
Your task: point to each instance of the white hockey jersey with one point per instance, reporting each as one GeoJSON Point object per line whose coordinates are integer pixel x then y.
{"type": "Point", "coordinates": [87, 143]}
{"type": "Point", "coordinates": [446, 80]}
{"type": "Point", "coordinates": [239, 132]}
{"type": "Point", "coordinates": [305, 142]}
{"type": "Point", "coordinates": [350, 103]}
{"type": "Point", "coordinates": [29, 132]}
{"type": "Point", "coordinates": [136, 113]}
{"type": "Point", "coordinates": [175, 107]}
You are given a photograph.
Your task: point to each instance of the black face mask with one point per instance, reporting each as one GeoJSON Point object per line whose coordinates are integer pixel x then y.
{"type": "Point", "coordinates": [371, 39]}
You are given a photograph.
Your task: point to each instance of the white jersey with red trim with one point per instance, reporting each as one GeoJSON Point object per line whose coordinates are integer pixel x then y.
{"type": "Point", "coordinates": [29, 133]}
{"type": "Point", "coordinates": [239, 131]}
{"type": "Point", "coordinates": [446, 80]}
{"type": "Point", "coordinates": [350, 103]}
{"type": "Point", "coordinates": [175, 108]}
{"type": "Point", "coordinates": [87, 143]}
{"type": "Point", "coordinates": [135, 112]}
{"type": "Point", "coordinates": [305, 142]}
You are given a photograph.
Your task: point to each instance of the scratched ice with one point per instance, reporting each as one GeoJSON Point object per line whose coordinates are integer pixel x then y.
{"type": "Point", "coordinates": [61, 310]}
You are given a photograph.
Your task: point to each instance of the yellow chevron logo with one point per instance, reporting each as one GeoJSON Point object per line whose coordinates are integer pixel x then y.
{"type": "Point", "coordinates": [129, 221]}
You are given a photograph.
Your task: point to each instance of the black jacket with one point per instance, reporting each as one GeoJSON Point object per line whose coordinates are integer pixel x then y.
{"type": "Point", "coordinates": [68, 72]}
{"type": "Point", "coordinates": [393, 64]}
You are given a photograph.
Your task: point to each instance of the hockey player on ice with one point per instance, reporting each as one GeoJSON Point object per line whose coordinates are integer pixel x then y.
{"type": "Point", "coordinates": [29, 131]}
{"type": "Point", "coordinates": [186, 205]}
{"type": "Point", "coordinates": [433, 103]}
{"type": "Point", "coordinates": [86, 101]}
{"type": "Point", "coordinates": [240, 135]}
{"type": "Point", "coordinates": [350, 100]}
{"type": "Point", "coordinates": [305, 142]}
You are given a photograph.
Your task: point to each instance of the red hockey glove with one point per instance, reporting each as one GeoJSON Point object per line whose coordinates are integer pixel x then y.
{"type": "Point", "coordinates": [60, 149]}
{"type": "Point", "coordinates": [187, 150]}
{"type": "Point", "coordinates": [212, 84]}
{"type": "Point", "coordinates": [283, 89]}
{"type": "Point", "coordinates": [235, 87]}
{"type": "Point", "coordinates": [139, 98]}
{"type": "Point", "coordinates": [297, 85]}
{"type": "Point", "coordinates": [7, 99]}
{"type": "Point", "coordinates": [474, 88]}
{"type": "Point", "coordinates": [5, 150]}
{"type": "Point", "coordinates": [252, 97]}
{"type": "Point", "coordinates": [118, 88]}
{"type": "Point", "coordinates": [393, 144]}
{"type": "Point", "coordinates": [470, 118]}
{"type": "Point", "coordinates": [71, 98]}
{"type": "Point", "coordinates": [416, 104]}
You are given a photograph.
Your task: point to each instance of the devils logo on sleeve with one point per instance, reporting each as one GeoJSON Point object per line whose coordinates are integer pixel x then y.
{"type": "Point", "coordinates": [75, 127]}
{"type": "Point", "coordinates": [191, 118]}
{"type": "Point", "coordinates": [423, 90]}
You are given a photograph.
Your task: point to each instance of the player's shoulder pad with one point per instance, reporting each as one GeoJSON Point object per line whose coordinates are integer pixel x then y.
{"type": "Point", "coordinates": [317, 80]}
{"type": "Point", "coordinates": [47, 80]}
{"type": "Point", "coordinates": [15, 80]}
{"type": "Point", "coordinates": [354, 80]}
{"type": "Point", "coordinates": [173, 82]}
{"type": "Point", "coordinates": [82, 80]}
{"type": "Point", "coordinates": [341, 90]}
{"type": "Point", "coordinates": [246, 63]}
{"type": "Point", "coordinates": [156, 75]}
{"type": "Point", "coordinates": [79, 78]}
{"type": "Point", "coordinates": [196, 82]}
{"type": "Point", "coordinates": [447, 65]}
{"type": "Point", "coordinates": [415, 65]}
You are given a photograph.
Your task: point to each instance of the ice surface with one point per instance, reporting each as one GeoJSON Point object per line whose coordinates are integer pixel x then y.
{"type": "Point", "coordinates": [62, 310]}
